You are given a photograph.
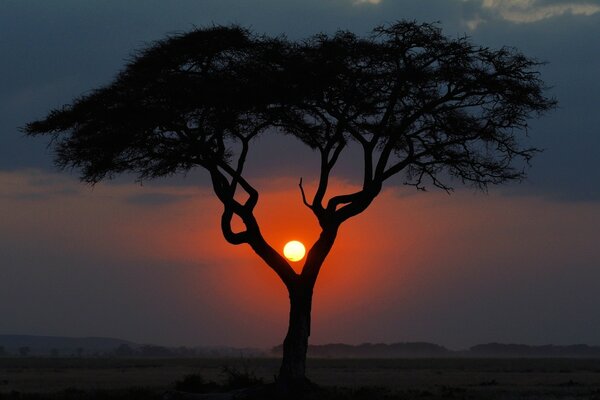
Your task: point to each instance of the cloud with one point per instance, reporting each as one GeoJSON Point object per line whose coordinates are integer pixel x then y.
{"type": "Point", "coordinates": [156, 199]}
{"type": "Point", "coordinates": [35, 185]}
{"type": "Point", "coordinates": [528, 11]}
{"type": "Point", "coordinates": [367, 2]}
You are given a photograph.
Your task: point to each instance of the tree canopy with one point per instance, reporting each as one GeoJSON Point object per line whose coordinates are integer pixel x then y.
{"type": "Point", "coordinates": [414, 100]}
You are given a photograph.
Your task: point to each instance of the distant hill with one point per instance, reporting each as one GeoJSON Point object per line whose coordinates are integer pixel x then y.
{"type": "Point", "coordinates": [59, 346]}
{"type": "Point", "coordinates": [430, 350]}
{"type": "Point", "coordinates": [525, 351]}
{"type": "Point", "coordinates": [375, 350]}
{"type": "Point", "coordinates": [42, 345]}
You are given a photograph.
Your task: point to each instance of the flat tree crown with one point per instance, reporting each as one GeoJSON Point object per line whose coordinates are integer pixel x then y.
{"type": "Point", "coordinates": [414, 99]}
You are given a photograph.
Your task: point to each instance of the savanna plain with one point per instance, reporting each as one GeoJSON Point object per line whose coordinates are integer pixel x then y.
{"type": "Point", "coordinates": [453, 378]}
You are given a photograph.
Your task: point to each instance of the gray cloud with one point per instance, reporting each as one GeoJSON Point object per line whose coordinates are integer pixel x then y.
{"type": "Point", "coordinates": [156, 199]}
{"type": "Point", "coordinates": [36, 186]}
{"type": "Point", "coordinates": [528, 11]}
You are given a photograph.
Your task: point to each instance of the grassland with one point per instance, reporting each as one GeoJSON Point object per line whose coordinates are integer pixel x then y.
{"type": "Point", "coordinates": [48, 378]}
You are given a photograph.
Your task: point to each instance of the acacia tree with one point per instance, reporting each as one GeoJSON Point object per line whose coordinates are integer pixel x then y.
{"type": "Point", "coordinates": [414, 101]}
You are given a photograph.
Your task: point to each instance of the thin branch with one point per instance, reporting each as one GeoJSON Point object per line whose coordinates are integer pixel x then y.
{"type": "Point", "coordinates": [252, 192]}
{"type": "Point", "coordinates": [326, 165]}
{"type": "Point", "coordinates": [368, 161]}
{"type": "Point", "coordinates": [306, 203]}
{"type": "Point", "coordinates": [394, 169]}
{"type": "Point", "coordinates": [335, 155]}
{"type": "Point", "coordinates": [240, 164]}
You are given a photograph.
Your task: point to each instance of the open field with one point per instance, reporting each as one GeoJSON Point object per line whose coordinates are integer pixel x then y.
{"type": "Point", "coordinates": [41, 378]}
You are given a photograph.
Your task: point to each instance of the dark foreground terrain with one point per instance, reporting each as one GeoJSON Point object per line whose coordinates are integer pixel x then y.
{"type": "Point", "coordinates": [104, 378]}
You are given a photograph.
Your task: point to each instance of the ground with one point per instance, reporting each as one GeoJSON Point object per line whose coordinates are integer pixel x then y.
{"type": "Point", "coordinates": [47, 378]}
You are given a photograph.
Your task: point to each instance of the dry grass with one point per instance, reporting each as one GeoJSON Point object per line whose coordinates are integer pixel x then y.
{"type": "Point", "coordinates": [32, 378]}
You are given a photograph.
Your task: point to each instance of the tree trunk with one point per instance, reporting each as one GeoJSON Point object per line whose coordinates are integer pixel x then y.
{"type": "Point", "coordinates": [292, 375]}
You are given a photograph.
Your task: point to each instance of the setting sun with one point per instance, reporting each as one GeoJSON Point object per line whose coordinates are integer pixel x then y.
{"type": "Point", "coordinates": [294, 251]}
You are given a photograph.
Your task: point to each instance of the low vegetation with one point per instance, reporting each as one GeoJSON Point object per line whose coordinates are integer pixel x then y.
{"type": "Point", "coordinates": [354, 379]}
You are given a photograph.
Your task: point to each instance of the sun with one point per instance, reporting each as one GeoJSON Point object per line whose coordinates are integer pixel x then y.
{"type": "Point", "coordinates": [294, 251]}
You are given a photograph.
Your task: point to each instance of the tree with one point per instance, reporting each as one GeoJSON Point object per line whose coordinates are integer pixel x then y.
{"type": "Point", "coordinates": [412, 100]}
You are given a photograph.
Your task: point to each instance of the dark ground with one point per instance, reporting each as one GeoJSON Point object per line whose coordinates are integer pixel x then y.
{"type": "Point", "coordinates": [105, 378]}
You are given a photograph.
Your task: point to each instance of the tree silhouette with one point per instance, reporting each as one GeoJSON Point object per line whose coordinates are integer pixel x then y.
{"type": "Point", "coordinates": [412, 100]}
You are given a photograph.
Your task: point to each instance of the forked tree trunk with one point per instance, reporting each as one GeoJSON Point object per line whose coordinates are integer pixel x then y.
{"type": "Point", "coordinates": [292, 375]}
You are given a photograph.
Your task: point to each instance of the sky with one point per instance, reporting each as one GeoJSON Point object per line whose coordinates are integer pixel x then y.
{"type": "Point", "coordinates": [519, 264]}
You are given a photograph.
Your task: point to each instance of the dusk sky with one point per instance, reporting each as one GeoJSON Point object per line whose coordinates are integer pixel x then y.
{"type": "Point", "coordinates": [148, 263]}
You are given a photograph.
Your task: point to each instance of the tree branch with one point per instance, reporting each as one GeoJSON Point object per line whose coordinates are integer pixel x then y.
{"type": "Point", "coordinates": [304, 196]}
{"type": "Point", "coordinates": [252, 235]}
{"type": "Point", "coordinates": [240, 164]}
{"type": "Point", "coordinates": [327, 164]}
{"type": "Point", "coordinates": [235, 238]}
{"type": "Point", "coordinates": [252, 192]}
{"type": "Point", "coordinates": [317, 254]}
{"type": "Point", "coordinates": [355, 203]}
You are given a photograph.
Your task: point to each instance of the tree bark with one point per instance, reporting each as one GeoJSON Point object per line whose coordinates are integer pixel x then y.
{"type": "Point", "coordinates": [292, 375]}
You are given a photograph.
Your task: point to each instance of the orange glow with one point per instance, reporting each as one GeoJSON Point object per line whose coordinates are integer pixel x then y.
{"type": "Point", "coordinates": [294, 251]}
{"type": "Point", "coordinates": [409, 251]}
